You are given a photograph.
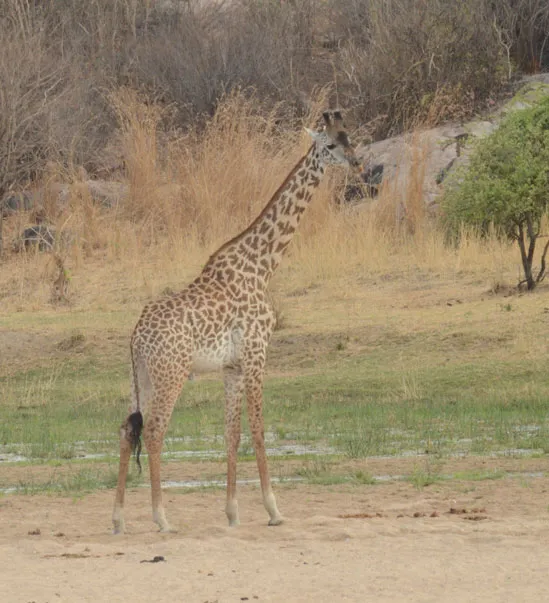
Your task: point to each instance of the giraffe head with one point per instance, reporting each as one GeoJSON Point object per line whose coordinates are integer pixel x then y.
{"type": "Point", "coordinates": [333, 142]}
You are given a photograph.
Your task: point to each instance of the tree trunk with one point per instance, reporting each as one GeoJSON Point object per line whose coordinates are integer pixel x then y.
{"type": "Point", "coordinates": [1, 228]}
{"type": "Point", "coordinates": [527, 257]}
{"type": "Point", "coordinates": [541, 273]}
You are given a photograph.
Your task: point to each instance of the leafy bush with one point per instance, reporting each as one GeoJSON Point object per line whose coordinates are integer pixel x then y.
{"type": "Point", "coordinates": [506, 184]}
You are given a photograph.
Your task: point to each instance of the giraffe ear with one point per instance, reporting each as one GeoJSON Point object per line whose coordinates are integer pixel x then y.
{"type": "Point", "coordinates": [314, 135]}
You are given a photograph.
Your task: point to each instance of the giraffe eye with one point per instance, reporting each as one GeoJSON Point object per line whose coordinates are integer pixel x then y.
{"type": "Point", "coordinates": [330, 147]}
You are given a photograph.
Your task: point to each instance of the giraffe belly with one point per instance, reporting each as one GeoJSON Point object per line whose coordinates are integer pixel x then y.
{"type": "Point", "coordinates": [207, 359]}
{"type": "Point", "coordinates": [205, 363]}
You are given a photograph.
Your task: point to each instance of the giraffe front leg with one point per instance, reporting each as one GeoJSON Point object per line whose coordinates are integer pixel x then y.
{"type": "Point", "coordinates": [234, 385]}
{"type": "Point", "coordinates": [255, 418]}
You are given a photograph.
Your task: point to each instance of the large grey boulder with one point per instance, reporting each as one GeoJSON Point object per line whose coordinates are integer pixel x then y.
{"type": "Point", "coordinates": [428, 157]}
{"type": "Point", "coordinates": [14, 202]}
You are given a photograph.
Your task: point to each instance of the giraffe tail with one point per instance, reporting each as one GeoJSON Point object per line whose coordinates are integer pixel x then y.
{"type": "Point", "coordinates": [134, 427]}
{"type": "Point", "coordinates": [134, 423]}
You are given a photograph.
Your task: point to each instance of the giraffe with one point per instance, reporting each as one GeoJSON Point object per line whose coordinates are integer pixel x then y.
{"type": "Point", "coordinates": [222, 320]}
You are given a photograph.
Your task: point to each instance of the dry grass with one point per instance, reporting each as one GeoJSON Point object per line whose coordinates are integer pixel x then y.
{"type": "Point", "coordinates": [189, 193]}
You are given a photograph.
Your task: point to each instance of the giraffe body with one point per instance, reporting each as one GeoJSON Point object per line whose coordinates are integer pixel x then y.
{"type": "Point", "coordinates": [222, 320]}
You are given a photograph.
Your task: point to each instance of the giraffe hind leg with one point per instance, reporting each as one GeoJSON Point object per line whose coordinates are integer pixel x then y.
{"type": "Point", "coordinates": [130, 437]}
{"type": "Point", "coordinates": [156, 424]}
{"type": "Point", "coordinates": [130, 441]}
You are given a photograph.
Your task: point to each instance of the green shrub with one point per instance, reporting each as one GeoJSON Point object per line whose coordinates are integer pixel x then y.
{"type": "Point", "coordinates": [506, 185]}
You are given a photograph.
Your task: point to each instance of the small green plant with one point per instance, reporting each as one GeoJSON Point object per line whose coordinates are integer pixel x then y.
{"type": "Point", "coordinates": [425, 475]}
{"type": "Point", "coordinates": [359, 444]}
{"type": "Point", "coordinates": [281, 432]}
{"type": "Point", "coordinates": [362, 477]}
{"type": "Point", "coordinates": [317, 471]}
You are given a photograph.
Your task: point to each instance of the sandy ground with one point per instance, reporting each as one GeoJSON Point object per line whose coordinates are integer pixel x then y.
{"type": "Point", "coordinates": [383, 543]}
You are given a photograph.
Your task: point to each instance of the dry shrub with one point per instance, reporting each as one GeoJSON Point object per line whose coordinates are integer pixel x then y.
{"type": "Point", "coordinates": [26, 71]}
{"type": "Point", "coordinates": [230, 170]}
{"type": "Point", "coordinates": [523, 30]}
{"type": "Point", "coordinates": [404, 55]}
{"type": "Point", "coordinates": [138, 121]}
{"type": "Point", "coordinates": [200, 54]}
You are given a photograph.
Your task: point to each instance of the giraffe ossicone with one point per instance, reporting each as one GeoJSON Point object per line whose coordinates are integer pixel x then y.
{"type": "Point", "coordinates": [222, 320]}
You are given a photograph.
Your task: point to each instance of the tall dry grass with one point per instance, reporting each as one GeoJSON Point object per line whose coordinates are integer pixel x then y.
{"type": "Point", "coordinates": [189, 192]}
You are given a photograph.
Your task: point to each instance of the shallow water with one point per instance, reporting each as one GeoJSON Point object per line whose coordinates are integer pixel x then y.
{"type": "Point", "coordinates": [282, 450]}
{"type": "Point", "coordinates": [214, 449]}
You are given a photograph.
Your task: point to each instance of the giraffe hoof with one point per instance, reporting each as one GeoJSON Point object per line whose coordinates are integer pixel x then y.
{"type": "Point", "coordinates": [118, 527]}
{"type": "Point", "coordinates": [233, 523]}
{"type": "Point", "coordinates": [276, 521]}
{"type": "Point", "coordinates": [167, 530]}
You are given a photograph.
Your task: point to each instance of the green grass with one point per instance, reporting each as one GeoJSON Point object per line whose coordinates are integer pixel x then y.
{"type": "Point", "coordinates": [477, 475]}
{"type": "Point", "coordinates": [321, 471]}
{"type": "Point", "coordinates": [78, 481]}
{"type": "Point", "coordinates": [363, 406]}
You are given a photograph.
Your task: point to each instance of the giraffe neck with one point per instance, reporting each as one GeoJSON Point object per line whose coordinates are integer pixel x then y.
{"type": "Point", "coordinates": [256, 253]}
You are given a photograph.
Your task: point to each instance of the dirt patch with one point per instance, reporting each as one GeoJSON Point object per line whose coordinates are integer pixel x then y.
{"type": "Point", "coordinates": [387, 543]}
{"type": "Point", "coordinates": [20, 350]}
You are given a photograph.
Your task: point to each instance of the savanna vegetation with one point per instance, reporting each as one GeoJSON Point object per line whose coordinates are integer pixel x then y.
{"type": "Point", "coordinates": [391, 339]}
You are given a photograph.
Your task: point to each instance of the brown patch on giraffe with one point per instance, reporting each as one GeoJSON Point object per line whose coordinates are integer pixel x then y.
{"type": "Point", "coordinates": [254, 244]}
{"type": "Point", "coordinates": [285, 228]}
{"type": "Point", "coordinates": [286, 210]}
